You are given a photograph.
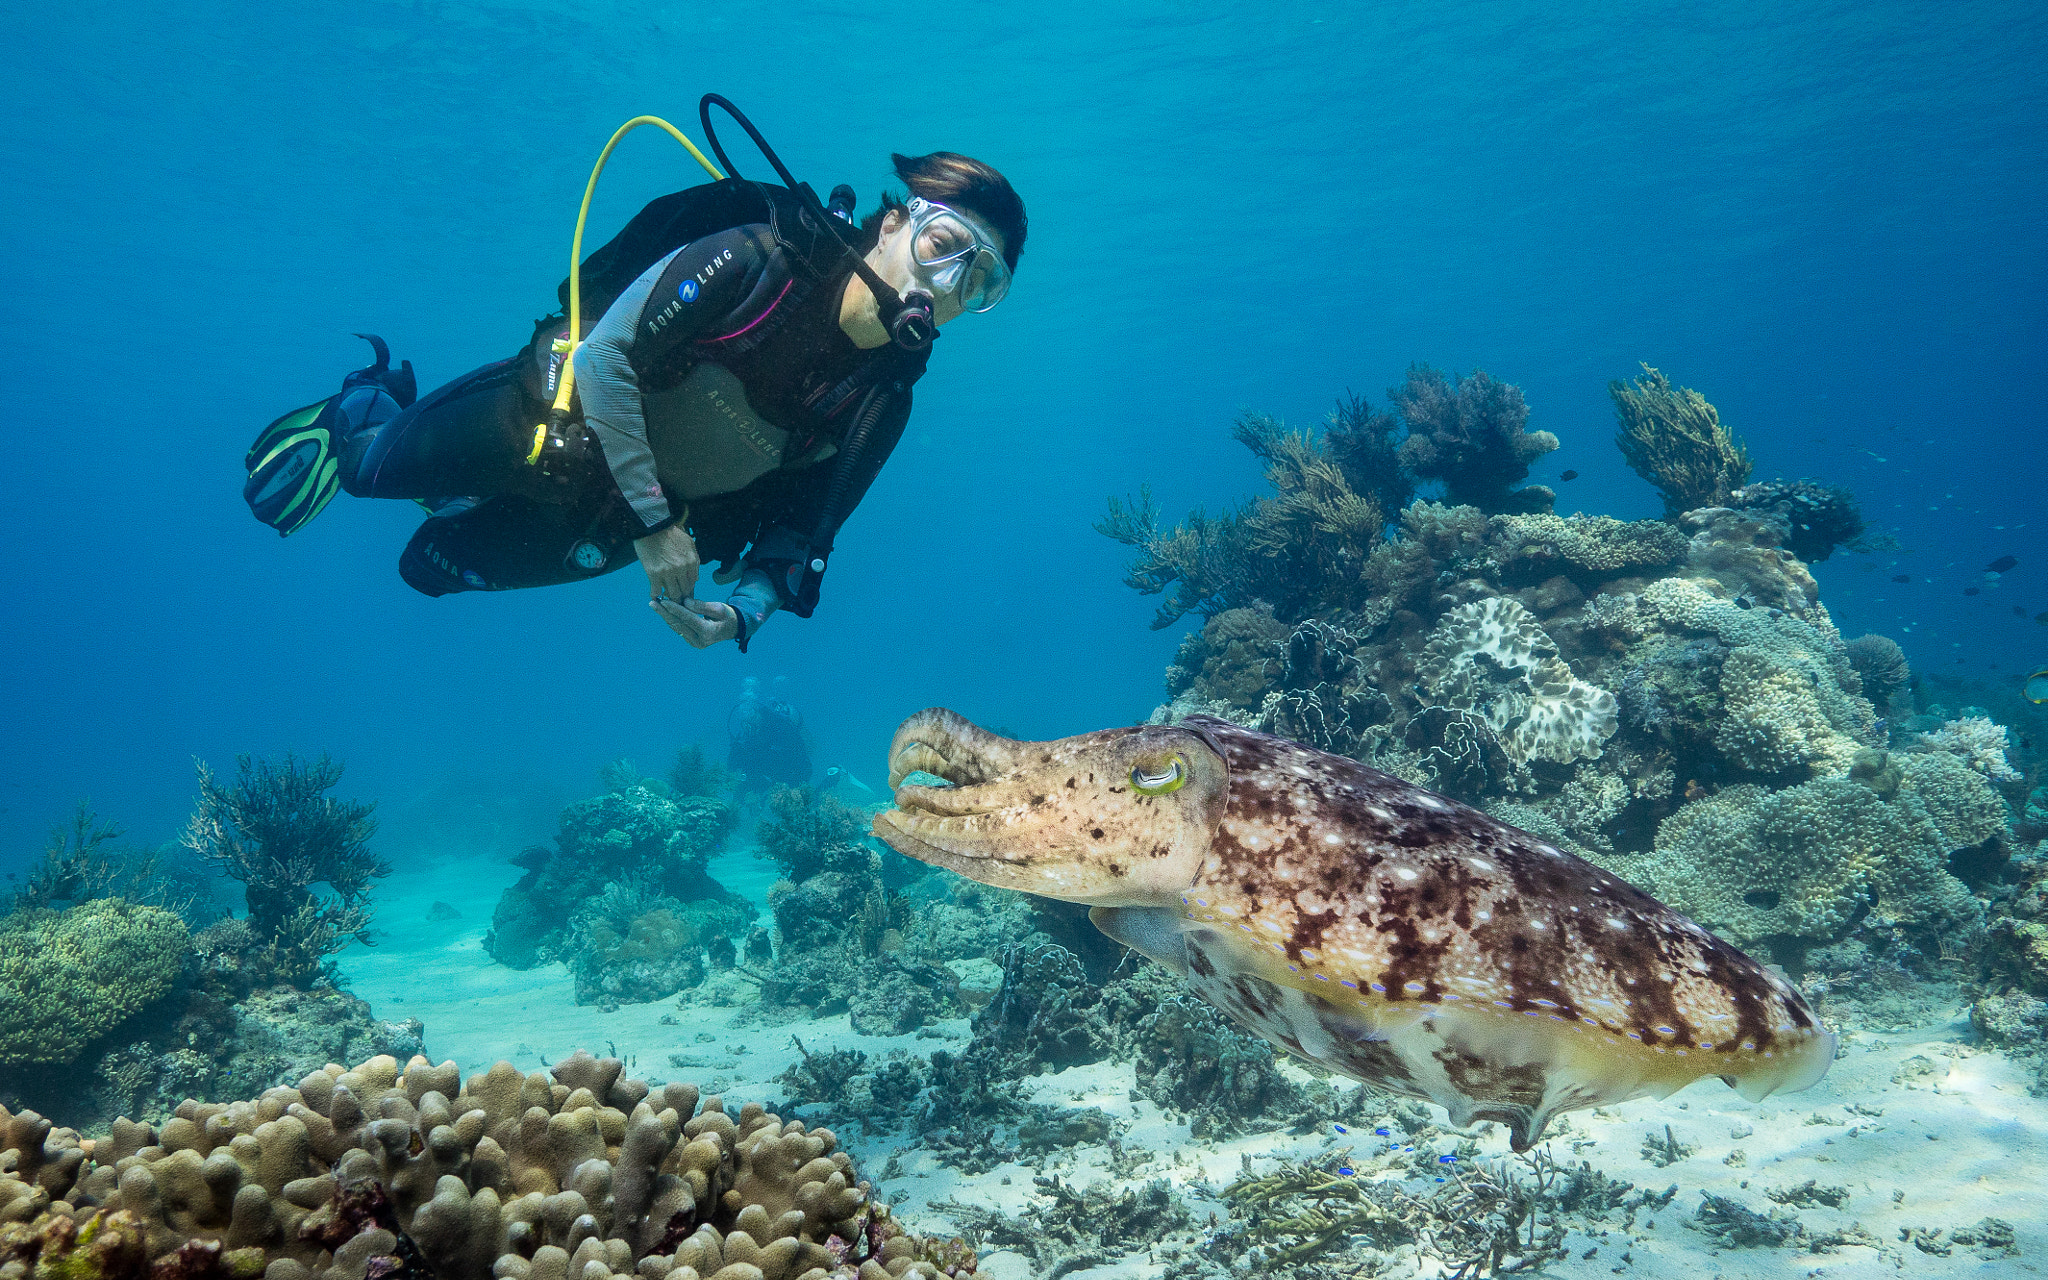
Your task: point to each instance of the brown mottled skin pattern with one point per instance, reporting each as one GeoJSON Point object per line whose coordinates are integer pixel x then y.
{"type": "Point", "coordinates": [1359, 921]}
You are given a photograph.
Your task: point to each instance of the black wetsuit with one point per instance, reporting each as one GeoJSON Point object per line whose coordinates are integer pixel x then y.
{"type": "Point", "coordinates": [718, 391]}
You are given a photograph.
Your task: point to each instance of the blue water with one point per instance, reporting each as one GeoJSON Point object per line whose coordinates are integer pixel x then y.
{"type": "Point", "coordinates": [1826, 216]}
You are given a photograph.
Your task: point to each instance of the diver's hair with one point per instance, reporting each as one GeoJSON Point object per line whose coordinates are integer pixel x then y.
{"type": "Point", "coordinates": [949, 178]}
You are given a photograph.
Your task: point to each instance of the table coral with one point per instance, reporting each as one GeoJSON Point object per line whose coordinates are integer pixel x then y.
{"type": "Point", "coordinates": [380, 1172]}
{"type": "Point", "coordinates": [1593, 547]}
{"type": "Point", "coordinates": [67, 977]}
{"type": "Point", "coordinates": [1491, 657]}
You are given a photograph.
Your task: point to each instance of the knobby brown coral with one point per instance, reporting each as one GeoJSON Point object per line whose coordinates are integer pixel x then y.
{"type": "Point", "coordinates": [378, 1172]}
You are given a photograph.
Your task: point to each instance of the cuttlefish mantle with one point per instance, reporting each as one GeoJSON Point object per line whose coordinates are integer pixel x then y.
{"type": "Point", "coordinates": [1363, 923]}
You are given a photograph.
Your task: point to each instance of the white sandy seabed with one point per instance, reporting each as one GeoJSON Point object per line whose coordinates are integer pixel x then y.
{"type": "Point", "coordinates": [1925, 1130]}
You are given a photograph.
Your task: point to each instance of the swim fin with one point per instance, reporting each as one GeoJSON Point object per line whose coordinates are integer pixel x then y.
{"type": "Point", "coordinates": [292, 467]}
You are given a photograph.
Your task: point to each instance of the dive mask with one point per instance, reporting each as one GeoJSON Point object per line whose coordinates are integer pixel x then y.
{"type": "Point", "coordinates": [956, 254]}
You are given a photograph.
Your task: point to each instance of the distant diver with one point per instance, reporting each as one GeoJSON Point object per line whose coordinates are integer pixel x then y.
{"type": "Point", "coordinates": [766, 741]}
{"type": "Point", "coordinates": [744, 369]}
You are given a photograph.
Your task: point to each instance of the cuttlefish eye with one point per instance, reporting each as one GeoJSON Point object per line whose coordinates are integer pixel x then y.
{"type": "Point", "coordinates": [1157, 778]}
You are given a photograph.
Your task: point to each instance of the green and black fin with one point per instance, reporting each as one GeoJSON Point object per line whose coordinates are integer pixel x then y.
{"type": "Point", "coordinates": [292, 468]}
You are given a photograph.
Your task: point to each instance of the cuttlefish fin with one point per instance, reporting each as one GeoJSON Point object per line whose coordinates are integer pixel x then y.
{"type": "Point", "coordinates": [1152, 932]}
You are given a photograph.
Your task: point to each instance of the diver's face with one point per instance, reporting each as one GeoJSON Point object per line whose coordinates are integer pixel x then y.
{"type": "Point", "coordinates": [895, 256]}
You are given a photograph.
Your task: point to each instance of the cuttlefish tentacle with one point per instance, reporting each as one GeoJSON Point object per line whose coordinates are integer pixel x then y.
{"type": "Point", "coordinates": [1360, 922]}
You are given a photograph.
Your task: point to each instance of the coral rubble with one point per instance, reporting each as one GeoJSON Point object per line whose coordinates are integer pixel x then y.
{"type": "Point", "coordinates": [379, 1172]}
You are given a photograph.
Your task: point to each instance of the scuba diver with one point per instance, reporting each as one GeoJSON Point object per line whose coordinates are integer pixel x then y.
{"type": "Point", "coordinates": [765, 740]}
{"type": "Point", "coordinates": [744, 372]}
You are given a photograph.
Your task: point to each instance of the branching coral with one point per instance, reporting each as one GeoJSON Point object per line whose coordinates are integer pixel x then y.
{"type": "Point", "coordinates": [1979, 742]}
{"type": "Point", "coordinates": [1200, 565]}
{"type": "Point", "coordinates": [1674, 439]}
{"type": "Point", "coordinates": [67, 977]}
{"type": "Point", "coordinates": [375, 1173]}
{"type": "Point", "coordinates": [1470, 434]}
{"type": "Point", "coordinates": [83, 861]}
{"type": "Point", "coordinates": [1774, 720]}
{"type": "Point", "coordinates": [1304, 546]}
{"type": "Point", "coordinates": [277, 831]}
{"type": "Point", "coordinates": [1362, 441]}
{"type": "Point", "coordinates": [695, 774]}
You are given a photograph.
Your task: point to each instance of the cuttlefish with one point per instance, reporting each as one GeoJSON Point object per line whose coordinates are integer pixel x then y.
{"type": "Point", "coordinates": [1381, 930]}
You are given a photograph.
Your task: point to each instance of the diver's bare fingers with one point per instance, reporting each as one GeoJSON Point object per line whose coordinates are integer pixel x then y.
{"type": "Point", "coordinates": [676, 619]}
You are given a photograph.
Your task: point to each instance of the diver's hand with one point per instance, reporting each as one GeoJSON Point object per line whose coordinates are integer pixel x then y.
{"type": "Point", "coordinates": [670, 558]}
{"type": "Point", "coordinates": [702, 622]}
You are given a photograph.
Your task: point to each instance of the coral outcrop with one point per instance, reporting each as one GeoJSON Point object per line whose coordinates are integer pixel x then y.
{"type": "Point", "coordinates": [1668, 696]}
{"type": "Point", "coordinates": [625, 896]}
{"type": "Point", "coordinates": [381, 1172]}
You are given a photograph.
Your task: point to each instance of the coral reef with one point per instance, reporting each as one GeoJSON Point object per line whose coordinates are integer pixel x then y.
{"type": "Point", "coordinates": [843, 934]}
{"type": "Point", "coordinates": [277, 831]}
{"type": "Point", "coordinates": [1470, 434]}
{"type": "Point", "coordinates": [378, 1172]}
{"type": "Point", "coordinates": [1653, 694]}
{"type": "Point", "coordinates": [68, 977]}
{"type": "Point", "coordinates": [1782, 870]}
{"type": "Point", "coordinates": [1674, 439]}
{"type": "Point", "coordinates": [625, 896]}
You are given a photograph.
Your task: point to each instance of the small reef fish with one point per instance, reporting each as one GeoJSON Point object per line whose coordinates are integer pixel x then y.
{"type": "Point", "coordinates": [1365, 924]}
{"type": "Point", "coordinates": [1970, 591]}
{"type": "Point", "coordinates": [1902, 577]}
{"type": "Point", "coordinates": [1567, 475]}
{"type": "Point", "coordinates": [2042, 617]}
{"type": "Point", "coordinates": [2004, 564]}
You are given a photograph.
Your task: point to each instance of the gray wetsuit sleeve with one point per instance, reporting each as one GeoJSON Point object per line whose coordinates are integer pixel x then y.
{"type": "Point", "coordinates": [756, 598]}
{"type": "Point", "coordinates": [610, 393]}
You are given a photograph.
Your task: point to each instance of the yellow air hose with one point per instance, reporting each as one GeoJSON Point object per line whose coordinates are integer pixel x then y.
{"type": "Point", "coordinates": [566, 346]}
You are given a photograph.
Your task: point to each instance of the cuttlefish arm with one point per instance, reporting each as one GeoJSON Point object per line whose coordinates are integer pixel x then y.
{"type": "Point", "coordinates": [1361, 922]}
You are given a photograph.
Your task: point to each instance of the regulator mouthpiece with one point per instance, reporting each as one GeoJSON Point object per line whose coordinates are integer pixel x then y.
{"type": "Point", "coordinates": [912, 327]}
